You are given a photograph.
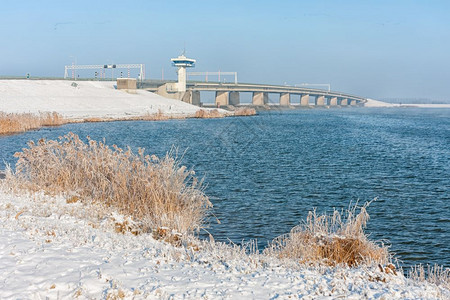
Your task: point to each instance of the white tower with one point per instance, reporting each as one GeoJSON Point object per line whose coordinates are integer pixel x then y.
{"type": "Point", "coordinates": [182, 62]}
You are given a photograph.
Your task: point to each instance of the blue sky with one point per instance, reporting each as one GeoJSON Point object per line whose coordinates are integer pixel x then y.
{"type": "Point", "coordinates": [378, 49]}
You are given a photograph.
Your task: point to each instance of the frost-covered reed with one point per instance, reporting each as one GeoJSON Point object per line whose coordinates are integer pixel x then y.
{"type": "Point", "coordinates": [207, 114]}
{"type": "Point", "coordinates": [158, 194]}
{"type": "Point", "coordinates": [438, 275]}
{"type": "Point", "coordinates": [20, 122]}
{"type": "Point", "coordinates": [331, 240]}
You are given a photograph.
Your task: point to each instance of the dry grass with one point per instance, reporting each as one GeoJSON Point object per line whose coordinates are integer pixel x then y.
{"type": "Point", "coordinates": [21, 122]}
{"type": "Point", "coordinates": [436, 274]}
{"type": "Point", "coordinates": [245, 111]}
{"type": "Point", "coordinates": [159, 116]}
{"type": "Point", "coordinates": [93, 120]}
{"type": "Point", "coordinates": [207, 114]}
{"type": "Point", "coordinates": [155, 193]}
{"type": "Point", "coordinates": [331, 241]}
{"type": "Point", "coordinates": [14, 122]}
{"type": "Point", "coordinates": [51, 119]}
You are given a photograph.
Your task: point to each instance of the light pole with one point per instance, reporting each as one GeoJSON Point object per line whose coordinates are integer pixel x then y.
{"type": "Point", "coordinates": [74, 62]}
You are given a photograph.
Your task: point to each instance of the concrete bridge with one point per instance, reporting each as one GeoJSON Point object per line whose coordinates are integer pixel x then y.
{"type": "Point", "coordinates": [229, 94]}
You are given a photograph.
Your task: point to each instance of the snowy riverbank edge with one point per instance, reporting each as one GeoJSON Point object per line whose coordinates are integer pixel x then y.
{"type": "Point", "coordinates": [376, 103]}
{"type": "Point", "coordinates": [57, 250]}
{"type": "Point", "coordinates": [90, 100]}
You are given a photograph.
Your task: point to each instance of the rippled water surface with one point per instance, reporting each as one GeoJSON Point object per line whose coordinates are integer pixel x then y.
{"type": "Point", "coordinates": [264, 173]}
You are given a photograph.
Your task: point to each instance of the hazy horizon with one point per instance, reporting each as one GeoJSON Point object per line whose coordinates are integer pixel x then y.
{"type": "Point", "coordinates": [380, 50]}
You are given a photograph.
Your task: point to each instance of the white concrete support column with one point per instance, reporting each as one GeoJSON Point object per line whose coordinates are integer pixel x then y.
{"type": "Point", "coordinates": [234, 98]}
{"type": "Point", "coordinates": [181, 84]}
{"type": "Point", "coordinates": [260, 98]}
{"type": "Point", "coordinates": [344, 102]}
{"type": "Point", "coordinates": [195, 98]}
{"type": "Point", "coordinates": [222, 98]}
{"type": "Point", "coordinates": [285, 99]}
{"type": "Point", "coordinates": [353, 102]}
{"type": "Point", "coordinates": [320, 100]}
{"type": "Point", "coordinates": [304, 100]}
{"type": "Point", "coordinates": [333, 101]}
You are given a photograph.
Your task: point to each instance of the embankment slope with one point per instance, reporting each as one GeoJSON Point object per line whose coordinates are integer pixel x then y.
{"type": "Point", "coordinates": [78, 100]}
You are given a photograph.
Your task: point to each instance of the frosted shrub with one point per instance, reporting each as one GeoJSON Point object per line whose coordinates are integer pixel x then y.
{"type": "Point", "coordinates": [156, 193]}
{"type": "Point", "coordinates": [330, 240]}
{"type": "Point", "coordinates": [207, 114]}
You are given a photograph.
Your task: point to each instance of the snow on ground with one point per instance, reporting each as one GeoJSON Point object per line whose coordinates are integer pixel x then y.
{"type": "Point", "coordinates": [376, 103]}
{"type": "Point", "coordinates": [57, 250]}
{"type": "Point", "coordinates": [88, 99]}
{"type": "Point", "coordinates": [426, 105]}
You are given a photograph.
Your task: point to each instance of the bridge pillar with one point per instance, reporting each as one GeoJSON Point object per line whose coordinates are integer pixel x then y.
{"type": "Point", "coordinates": [304, 100]}
{"type": "Point", "coordinates": [353, 102]}
{"type": "Point", "coordinates": [333, 101]}
{"type": "Point", "coordinates": [320, 100]}
{"type": "Point", "coordinates": [234, 98]}
{"type": "Point", "coordinates": [195, 98]}
{"type": "Point", "coordinates": [344, 102]}
{"type": "Point", "coordinates": [285, 99]}
{"type": "Point", "coordinates": [222, 98]}
{"type": "Point", "coordinates": [260, 98]}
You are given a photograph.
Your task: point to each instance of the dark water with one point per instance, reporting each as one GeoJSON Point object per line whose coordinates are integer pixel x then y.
{"type": "Point", "coordinates": [264, 173]}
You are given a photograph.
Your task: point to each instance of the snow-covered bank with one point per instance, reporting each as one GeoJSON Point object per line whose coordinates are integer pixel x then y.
{"type": "Point", "coordinates": [50, 248]}
{"type": "Point", "coordinates": [86, 100]}
{"type": "Point", "coordinates": [424, 105]}
{"type": "Point", "coordinates": [376, 103]}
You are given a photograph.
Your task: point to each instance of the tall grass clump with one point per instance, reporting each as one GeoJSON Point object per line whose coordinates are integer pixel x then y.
{"type": "Point", "coordinates": [208, 114]}
{"type": "Point", "coordinates": [331, 240]}
{"type": "Point", "coordinates": [436, 274]}
{"type": "Point", "coordinates": [155, 193]}
{"type": "Point", "coordinates": [20, 122]}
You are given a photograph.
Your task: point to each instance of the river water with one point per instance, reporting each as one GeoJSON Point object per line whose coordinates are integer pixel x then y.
{"type": "Point", "coordinates": [264, 173]}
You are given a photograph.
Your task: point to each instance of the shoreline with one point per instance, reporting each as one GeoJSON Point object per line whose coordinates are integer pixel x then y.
{"type": "Point", "coordinates": [32, 104]}
{"type": "Point", "coordinates": [57, 249]}
{"type": "Point", "coordinates": [62, 249]}
{"type": "Point", "coordinates": [376, 103]}
{"type": "Point", "coordinates": [82, 100]}
{"type": "Point", "coordinates": [20, 123]}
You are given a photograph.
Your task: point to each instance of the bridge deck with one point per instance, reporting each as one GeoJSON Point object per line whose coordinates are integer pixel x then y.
{"type": "Point", "coordinates": [270, 89]}
{"type": "Point", "coordinates": [248, 87]}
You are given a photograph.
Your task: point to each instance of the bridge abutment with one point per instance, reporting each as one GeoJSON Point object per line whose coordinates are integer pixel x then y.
{"type": "Point", "coordinates": [233, 98]}
{"type": "Point", "coordinates": [320, 100]}
{"type": "Point", "coordinates": [260, 98]}
{"type": "Point", "coordinates": [285, 99]}
{"type": "Point", "coordinates": [222, 98]}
